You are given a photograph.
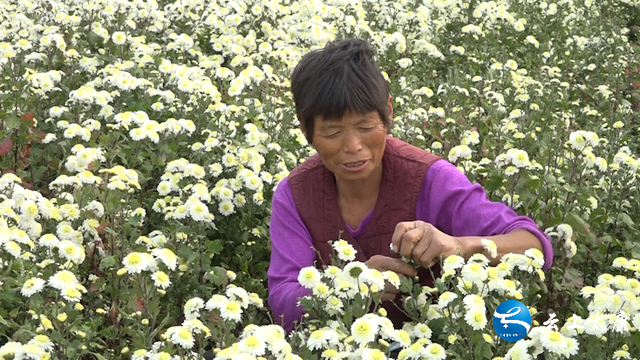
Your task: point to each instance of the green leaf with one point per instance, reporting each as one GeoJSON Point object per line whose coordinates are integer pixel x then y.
{"type": "Point", "coordinates": [12, 122]}
{"type": "Point", "coordinates": [98, 356]}
{"type": "Point", "coordinates": [108, 262]}
{"type": "Point", "coordinates": [573, 279]}
{"type": "Point", "coordinates": [214, 246]}
{"type": "Point", "coordinates": [218, 276]}
{"type": "Point", "coordinates": [493, 183]}
{"type": "Point", "coordinates": [579, 224]}
{"type": "Point", "coordinates": [626, 219]}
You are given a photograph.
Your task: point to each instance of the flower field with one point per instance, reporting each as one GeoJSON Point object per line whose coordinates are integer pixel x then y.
{"type": "Point", "coordinates": [141, 143]}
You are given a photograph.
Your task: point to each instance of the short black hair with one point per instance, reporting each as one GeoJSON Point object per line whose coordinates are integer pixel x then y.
{"type": "Point", "coordinates": [341, 77]}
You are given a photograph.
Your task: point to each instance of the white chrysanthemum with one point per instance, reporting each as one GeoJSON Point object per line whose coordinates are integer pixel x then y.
{"type": "Point", "coordinates": [119, 37]}
{"type": "Point", "coordinates": [235, 293]}
{"type": "Point", "coordinates": [164, 188]}
{"type": "Point", "coordinates": [42, 341]}
{"type": "Point", "coordinates": [167, 257]}
{"type": "Point", "coordinates": [334, 305]}
{"type": "Point", "coordinates": [29, 351]}
{"type": "Point", "coordinates": [71, 294]}
{"type": "Point", "coordinates": [231, 311]}
{"type": "Point", "coordinates": [571, 347]}
{"type": "Point", "coordinates": [68, 250]}
{"type": "Point", "coordinates": [318, 339]}
{"type": "Point", "coordinates": [490, 247]}
{"type": "Point", "coordinates": [364, 330]}
{"type": "Point", "coordinates": [345, 251]}
{"type": "Point", "coordinates": [252, 345]}
{"type": "Point", "coordinates": [226, 207]}
{"type": "Point", "coordinates": [199, 211]}
{"type": "Point", "coordinates": [553, 341]}
{"type": "Point", "coordinates": [137, 262]}
{"type": "Point", "coordinates": [217, 301]}
{"type": "Point", "coordinates": [373, 278]}
{"type": "Point", "coordinates": [309, 277]}
{"type": "Point", "coordinates": [192, 308]}
{"type": "Point", "coordinates": [392, 278]}
{"type": "Point", "coordinates": [353, 270]}
{"type": "Point", "coordinates": [474, 272]}
{"type": "Point", "coordinates": [446, 298]}
{"type": "Point", "coordinates": [476, 318]}
{"type": "Point", "coordinates": [32, 286]}
{"type": "Point", "coordinates": [63, 279]}
{"type": "Point", "coordinates": [535, 255]}
{"type": "Point", "coordinates": [182, 336]}
{"type": "Point", "coordinates": [595, 324]}
{"type": "Point", "coordinates": [161, 279]}
{"type": "Point", "coordinates": [453, 262]}
{"type": "Point", "coordinates": [421, 331]}
{"type": "Point", "coordinates": [473, 301]}
{"type": "Point", "coordinates": [519, 351]}
{"type": "Point", "coordinates": [459, 152]}
{"type": "Point", "coordinates": [435, 351]}
{"type": "Point", "coordinates": [13, 248]}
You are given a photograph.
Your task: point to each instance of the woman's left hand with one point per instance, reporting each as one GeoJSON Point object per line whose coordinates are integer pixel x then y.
{"type": "Point", "coordinates": [424, 243]}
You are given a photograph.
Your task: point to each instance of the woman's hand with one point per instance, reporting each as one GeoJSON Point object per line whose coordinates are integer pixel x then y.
{"type": "Point", "coordinates": [385, 263]}
{"type": "Point", "coordinates": [424, 243]}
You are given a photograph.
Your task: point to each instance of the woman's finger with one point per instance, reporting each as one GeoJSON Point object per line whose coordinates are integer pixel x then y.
{"type": "Point", "coordinates": [431, 255]}
{"type": "Point", "coordinates": [401, 229]}
{"type": "Point", "coordinates": [409, 239]}
{"type": "Point", "coordinates": [424, 244]}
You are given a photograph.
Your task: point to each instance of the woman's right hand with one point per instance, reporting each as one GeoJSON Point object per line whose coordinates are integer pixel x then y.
{"type": "Point", "coordinates": [385, 263]}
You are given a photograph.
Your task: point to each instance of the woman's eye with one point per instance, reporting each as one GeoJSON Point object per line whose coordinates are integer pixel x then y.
{"type": "Point", "coordinates": [333, 134]}
{"type": "Point", "coordinates": [368, 128]}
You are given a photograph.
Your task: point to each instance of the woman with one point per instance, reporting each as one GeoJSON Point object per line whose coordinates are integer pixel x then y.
{"type": "Point", "coordinates": [373, 190]}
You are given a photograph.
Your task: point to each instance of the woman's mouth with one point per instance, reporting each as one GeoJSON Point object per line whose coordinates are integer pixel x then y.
{"type": "Point", "coordinates": [355, 166]}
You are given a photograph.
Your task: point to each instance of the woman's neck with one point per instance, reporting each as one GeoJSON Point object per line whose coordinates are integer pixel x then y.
{"type": "Point", "coordinates": [361, 191]}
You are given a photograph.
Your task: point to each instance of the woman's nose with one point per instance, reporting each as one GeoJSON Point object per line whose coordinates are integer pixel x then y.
{"type": "Point", "coordinates": [352, 142]}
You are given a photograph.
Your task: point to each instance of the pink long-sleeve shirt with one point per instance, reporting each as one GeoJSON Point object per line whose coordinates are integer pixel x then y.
{"type": "Point", "coordinates": [447, 200]}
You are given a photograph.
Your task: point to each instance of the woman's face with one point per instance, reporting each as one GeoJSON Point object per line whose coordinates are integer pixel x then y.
{"type": "Point", "coordinates": [352, 147]}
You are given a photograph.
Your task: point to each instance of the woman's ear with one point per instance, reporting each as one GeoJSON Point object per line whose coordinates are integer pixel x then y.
{"type": "Point", "coordinates": [303, 129]}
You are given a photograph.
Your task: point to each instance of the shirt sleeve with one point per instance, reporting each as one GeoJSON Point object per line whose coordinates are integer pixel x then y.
{"type": "Point", "coordinates": [291, 250]}
{"type": "Point", "coordinates": [450, 202]}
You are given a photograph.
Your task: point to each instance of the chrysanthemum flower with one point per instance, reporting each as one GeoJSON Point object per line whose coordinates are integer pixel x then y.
{"type": "Point", "coordinates": [309, 277]}
{"type": "Point", "coordinates": [226, 207]}
{"type": "Point", "coordinates": [476, 318]}
{"type": "Point", "coordinates": [453, 262]}
{"type": "Point", "coordinates": [473, 272]}
{"type": "Point", "coordinates": [43, 342]}
{"type": "Point", "coordinates": [70, 251]}
{"type": "Point", "coordinates": [32, 286]}
{"type": "Point", "coordinates": [446, 298]}
{"type": "Point", "coordinates": [421, 331]}
{"type": "Point", "coordinates": [435, 352]}
{"type": "Point", "coordinates": [553, 341]}
{"type": "Point", "coordinates": [167, 257]}
{"type": "Point", "coordinates": [71, 294]}
{"type": "Point", "coordinates": [161, 279]}
{"type": "Point", "coordinates": [364, 331]}
{"type": "Point", "coordinates": [182, 337]}
{"type": "Point", "coordinates": [136, 262]}
{"type": "Point", "coordinates": [63, 279]}
{"type": "Point", "coordinates": [231, 311]}
{"type": "Point", "coordinates": [217, 301]}
{"type": "Point", "coordinates": [252, 345]}
{"type": "Point", "coordinates": [518, 351]}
